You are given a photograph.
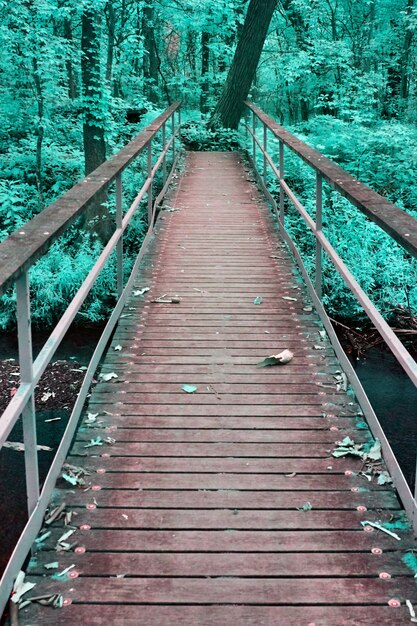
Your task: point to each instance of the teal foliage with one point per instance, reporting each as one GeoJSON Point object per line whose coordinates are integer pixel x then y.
{"type": "Point", "coordinates": [340, 74]}
{"type": "Point", "coordinates": [401, 523]}
{"type": "Point", "coordinates": [382, 267]}
{"type": "Point", "coordinates": [410, 559]}
{"type": "Point", "coordinates": [196, 136]}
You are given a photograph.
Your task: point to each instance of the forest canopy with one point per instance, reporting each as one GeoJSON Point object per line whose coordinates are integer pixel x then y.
{"type": "Point", "coordinates": [79, 79]}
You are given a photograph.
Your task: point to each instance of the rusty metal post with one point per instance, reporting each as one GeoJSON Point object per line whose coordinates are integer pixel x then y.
{"type": "Point", "coordinates": [319, 226]}
{"type": "Point", "coordinates": [119, 220]}
{"type": "Point", "coordinates": [253, 138]}
{"type": "Point", "coordinates": [265, 148]}
{"type": "Point", "coordinates": [150, 190]}
{"type": "Point", "coordinates": [281, 178]}
{"type": "Point", "coordinates": [24, 330]}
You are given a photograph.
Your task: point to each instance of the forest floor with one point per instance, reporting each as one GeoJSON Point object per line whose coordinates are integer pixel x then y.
{"type": "Point", "coordinates": [57, 389]}
{"type": "Point", "coordinates": [357, 341]}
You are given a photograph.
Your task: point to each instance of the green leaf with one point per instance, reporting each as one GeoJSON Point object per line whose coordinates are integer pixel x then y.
{"type": "Point", "coordinates": [94, 442]}
{"type": "Point", "coordinates": [307, 506]}
{"type": "Point", "coordinates": [53, 565]}
{"type": "Point", "coordinates": [258, 300]}
{"type": "Point", "coordinates": [384, 478]}
{"type": "Point", "coordinates": [189, 388]}
{"type": "Point", "coordinates": [375, 452]}
{"type": "Point", "coordinates": [70, 479]}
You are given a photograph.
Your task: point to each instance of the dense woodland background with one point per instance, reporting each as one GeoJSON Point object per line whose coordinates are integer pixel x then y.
{"type": "Point", "coordinates": [79, 79]}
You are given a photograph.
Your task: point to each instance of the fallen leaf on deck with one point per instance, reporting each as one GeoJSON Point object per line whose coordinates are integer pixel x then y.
{"type": "Point", "coordinates": [289, 298]}
{"type": "Point", "coordinates": [258, 300]}
{"type": "Point", "coordinates": [412, 611]}
{"type": "Point", "coordinates": [109, 376]}
{"type": "Point", "coordinates": [277, 359]}
{"type": "Point", "coordinates": [348, 446]}
{"type": "Point", "coordinates": [67, 534]}
{"type": "Point", "coordinates": [66, 570]}
{"type": "Point", "coordinates": [20, 587]}
{"type": "Point", "coordinates": [319, 347]}
{"type": "Point", "coordinates": [140, 292]}
{"type": "Point", "coordinates": [94, 442]}
{"type": "Point", "coordinates": [189, 388]}
{"type": "Point", "coordinates": [53, 565]}
{"type": "Point", "coordinates": [375, 452]}
{"type": "Point", "coordinates": [117, 348]}
{"type": "Point", "coordinates": [342, 381]}
{"type": "Point", "coordinates": [291, 475]}
{"type": "Point", "coordinates": [384, 478]}
{"type": "Point", "coordinates": [306, 507]}
{"type": "Point", "coordinates": [55, 600]}
{"type": "Point", "coordinates": [39, 540]}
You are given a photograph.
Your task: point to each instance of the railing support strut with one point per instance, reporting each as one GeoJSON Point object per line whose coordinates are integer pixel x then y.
{"type": "Point", "coordinates": [26, 375]}
{"type": "Point", "coordinates": [119, 223]}
{"type": "Point", "coordinates": [319, 226]}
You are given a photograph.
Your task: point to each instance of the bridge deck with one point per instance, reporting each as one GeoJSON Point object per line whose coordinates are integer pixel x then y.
{"type": "Point", "coordinates": [193, 514]}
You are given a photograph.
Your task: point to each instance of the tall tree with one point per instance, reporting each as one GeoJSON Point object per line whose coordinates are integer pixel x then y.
{"type": "Point", "coordinates": [94, 115]}
{"type": "Point", "coordinates": [93, 128]}
{"type": "Point", "coordinates": [243, 69]}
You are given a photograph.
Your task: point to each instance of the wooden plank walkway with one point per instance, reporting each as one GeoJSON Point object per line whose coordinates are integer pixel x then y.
{"type": "Point", "coordinates": [193, 513]}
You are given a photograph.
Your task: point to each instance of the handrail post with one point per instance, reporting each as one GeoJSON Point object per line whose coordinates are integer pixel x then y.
{"type": "Point", "coordinates": [265, 147]}
{"type": "Point", "coordinates": [173, 137]}
{"type": "Point", "coordinates": [247, 122]}
{"type": "Point", "coordinates": [26, 375]}
{"type": "Point", "coordinates": [150, 189]}
{"type": "Point", "coordinates": [253, 138]}
{"type": "Point", "coordinates": [319, 226]}
{"type": "Point", "coordinates": [119, 223]}
{"type": "Point", "coordinates": [281, 179]}
{"type": "Point", "coordinates": [164, 145]}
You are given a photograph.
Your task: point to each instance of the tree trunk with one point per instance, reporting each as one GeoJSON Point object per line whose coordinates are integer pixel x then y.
{"type": "Point", "coordinates": [405, 57]}
{"type": "Point", "coordinates": [249, 48]}
{"type": "Point", "coordinates": [39, 132]}
{"type": "Point", "coordinates": [150, 58]}
{"type": "Point", "coordinates": [205, 59]}
{"type": "Point", "coordinates": [93, 128]}
{"type": "Point", "coordinates": [72, 81]}
{"type": "Point", "coordinates": [111, 26]}
{"type": "Point", "coordinates": [94, 116]}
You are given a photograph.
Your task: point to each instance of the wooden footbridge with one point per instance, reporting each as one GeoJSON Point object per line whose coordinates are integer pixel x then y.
{"type": "Point", "coordinates": [199, 487]}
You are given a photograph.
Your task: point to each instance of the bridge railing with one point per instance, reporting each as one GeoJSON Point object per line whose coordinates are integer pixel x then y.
{"type": "Point", "coordinates": [21, 250]}
{"type": "Point", "coordinates": [401, 226]}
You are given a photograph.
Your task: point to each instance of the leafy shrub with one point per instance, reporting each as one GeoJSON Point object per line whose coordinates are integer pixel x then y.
{"type": "Point", "coordinates": [196, 136]}
{"type": "Point", "coordinates": [384, 158]}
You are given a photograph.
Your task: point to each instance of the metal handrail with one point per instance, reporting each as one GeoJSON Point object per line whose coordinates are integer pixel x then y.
{"type": "Point", "coordinates": [397, 223]}
{"type": "Point", "coordinates": [57, 218]}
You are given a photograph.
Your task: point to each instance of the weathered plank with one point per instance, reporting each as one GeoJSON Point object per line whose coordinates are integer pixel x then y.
{"type": "Point", "coordinates": [244, 615]}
